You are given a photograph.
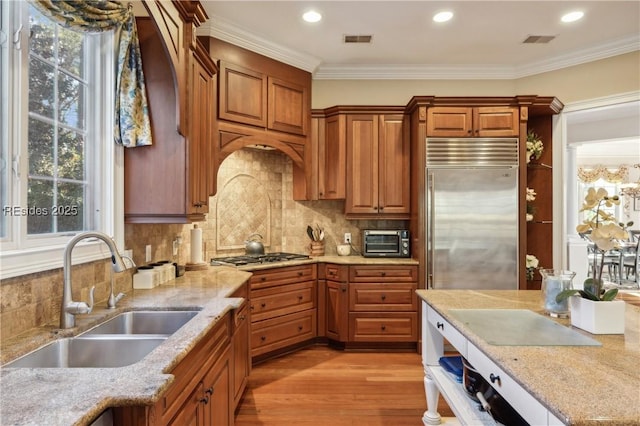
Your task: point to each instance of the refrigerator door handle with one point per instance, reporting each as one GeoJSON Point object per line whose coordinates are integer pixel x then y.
{"type": "Point", "coordinates": [430, 228]}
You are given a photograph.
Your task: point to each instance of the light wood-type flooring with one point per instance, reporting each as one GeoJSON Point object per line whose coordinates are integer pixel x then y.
{"type": "Point", "coordinates": [322, 386]}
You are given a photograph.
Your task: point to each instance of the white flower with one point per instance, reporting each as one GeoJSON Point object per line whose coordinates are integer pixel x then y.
{"type": "Point", "coordinates": [531, 194]}
{"type": "Point", "coordinates": [532, 261]}
{"type": "Point", "coordinates": [529, 217]}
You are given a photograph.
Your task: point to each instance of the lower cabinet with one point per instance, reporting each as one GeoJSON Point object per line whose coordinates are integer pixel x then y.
{"type": "Point", "coordinates": [241, 353]}
{"type": "Point", "coordinates": [283, 308]}
{"type": "Point", "coordinates": [371, 304]}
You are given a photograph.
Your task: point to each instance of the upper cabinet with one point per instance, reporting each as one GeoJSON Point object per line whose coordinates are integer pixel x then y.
{"type": "Point", "coordinates": [377, 166]}
{"type": "Point", "coordinates": [332, 157]}
{"type": "Point", "coordinates": [262, 102]}
{"type": "Point", "coordinates": [169, 182]}
{"type": "Point", "coordinates": [460, 122]}
{"type": "Point", "coordinates": [251, 97]}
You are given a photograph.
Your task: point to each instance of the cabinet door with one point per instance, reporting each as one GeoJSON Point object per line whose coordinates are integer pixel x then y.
{"type": "Point", "coordinates": [362, 164]}
{"type": "Point", "coordinates": [241, 354]}
{"type": "Point", "coordinates": [393, 170]}
{"type": "Point", "coordinates": [243, 95]}
{"type": "Point", "coordinates": [337, 315]}
{"type": "Point", "coordinates": [496, 121]}
{"type": "Point", "coordinates": [332, 152]}
{"type": "Point", "coordinates": [199, 136]}
{"type": "Point", "coordinates": [288, 109]}
{"type": "Point", "coordinates": [218, 402]}
{"type": "Point", "coordinates": [453, 122]}
{"type": "Point", "coordinates": [192, 413]}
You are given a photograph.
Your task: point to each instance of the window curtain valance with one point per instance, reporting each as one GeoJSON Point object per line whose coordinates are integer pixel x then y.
{"type": "Point", "coordinates": [132, 124]}
{"type": "Point", "coordinates": [593, 173]}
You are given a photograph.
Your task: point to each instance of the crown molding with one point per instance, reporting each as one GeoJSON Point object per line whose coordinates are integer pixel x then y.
{"type": "Point", "coordinates": [224, 30]}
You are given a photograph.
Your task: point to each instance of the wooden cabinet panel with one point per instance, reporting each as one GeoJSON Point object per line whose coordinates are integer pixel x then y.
{"type": "Point", "coordinates": [362, 164]}
{"type": "Point", "coordinates": [333, 272]}
{"type": "Point", "coordinates": [216, 396]}
{"type": "Point", "coordinates": [449, 122]}
{"type": "Point", "coordinates": [287, 110]}
{"type": "Point", "coordinates": [383, 273]}
{"type": "Point", "coordinates": [332, 153]}
{"type": "Point", "coordinates": [281, 300]}
{"type": "Point", "coordinates": [278, 276]}
{"type": "Point", "coordinates": [383, 297]}
{"type": "Point", "coordinates": [241, 353]}
{"type": "Point", "coordinates": [337, 311]}
{"type": "Point", "coordinates": [458, 122]}
{"type": "Point", "coordinates": [393, 165]}
{"type": "Point", "coordinates": [377, 166]}
{"type": "Point", "coordinates": [243, 95]}
{"type": "Point", "coordinates": [192, 413]}
{"type": "Point", "coordinates": [383, 327]}
{"type": "Point", "coordinates": [276, 333]}
{"type": "Point", "coordinates": [496, 121]}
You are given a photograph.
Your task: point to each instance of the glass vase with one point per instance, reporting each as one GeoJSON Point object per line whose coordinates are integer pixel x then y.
{"type": "Point", "coordinates": [553, 282]}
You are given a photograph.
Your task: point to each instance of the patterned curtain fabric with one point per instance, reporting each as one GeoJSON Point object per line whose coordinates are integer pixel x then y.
{"type": "Point", "coordinates": [593, 173]}
{"type": "Point", "coordinates": [132, 124]}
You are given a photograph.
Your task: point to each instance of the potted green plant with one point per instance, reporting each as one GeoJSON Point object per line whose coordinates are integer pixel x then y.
{"type": "Point", "coordinates": [605, 233]}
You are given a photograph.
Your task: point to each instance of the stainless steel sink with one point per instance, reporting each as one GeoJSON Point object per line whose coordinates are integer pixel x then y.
{"type": "Point", "coordinates": [89, 352]}
{"type": "Point", "coordinates": [144, 322]}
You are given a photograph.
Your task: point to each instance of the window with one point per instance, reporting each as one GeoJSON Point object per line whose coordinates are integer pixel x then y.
{"type": "Point", "coordinates": [58, 155]}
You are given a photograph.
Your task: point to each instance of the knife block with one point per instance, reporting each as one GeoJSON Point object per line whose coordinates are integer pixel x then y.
{"type": "Point", "coordinates": [316, 248]}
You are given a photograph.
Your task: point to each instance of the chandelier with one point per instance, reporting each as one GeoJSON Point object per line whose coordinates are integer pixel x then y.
{"type": "Point", "coordinates": [631, 190]}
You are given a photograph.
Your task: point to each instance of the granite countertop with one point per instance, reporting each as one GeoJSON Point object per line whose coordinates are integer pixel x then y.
{"type": "Point", "coordinates": [342, 260]}
{"type": "Point", "coordinates": [76, 396]}
{"type": "Point", "coordinates": [581, 385]}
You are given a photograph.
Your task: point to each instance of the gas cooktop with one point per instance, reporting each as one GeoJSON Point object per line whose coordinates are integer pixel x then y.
{"type": "Point", "coordinates": [257, 259]}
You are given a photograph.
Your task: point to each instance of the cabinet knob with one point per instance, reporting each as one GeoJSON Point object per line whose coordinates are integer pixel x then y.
{"type": "Point", "coordinates": [299, 328]}
{"type": "Point", "coordinates": [320, 194]}
{"type": "Point", "coordinates": [209, 391]}
{"type": "Point", "coordinates": [300, 273]}
{"type": "Point", "coordinates": [469, 131]}
{"type": "Point", "coordinates": [251, 307]}
{"type": "Point", "coordinates": [263, 338]}
{"type": "Point", "coordinates": [263, 278]}
{"type": "Point", "coordinates": [263, 304]}
{"type": "Point", "coordinates": [440, 325]}
{"type": "Point", "coordinates": [300, 298]}
{"type": "Point", "coordinates": [242, 317]}
{"type": "Point", "coordinates": [375, 208]}
{"type": "Point", "coordinates": [381, 207]}
{"type": "Point", "coordinates": [205, 400]}
{"type": "Point", "coordinates": [384, 327]}
{"type": "Point", "coordinates": [383, 297]}
{"type": "Point", "coordinates": [384, 274]}
{"type": "Point", "coordinates": [494, 378]}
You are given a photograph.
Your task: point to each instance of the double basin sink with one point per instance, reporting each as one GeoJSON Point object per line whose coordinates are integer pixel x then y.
{"type": "Point", "coordinates": [120, 341]}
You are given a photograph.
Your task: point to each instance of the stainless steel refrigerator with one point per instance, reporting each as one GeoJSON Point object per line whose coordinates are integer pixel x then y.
{"type": "Point", "coordinates": [472, 213]}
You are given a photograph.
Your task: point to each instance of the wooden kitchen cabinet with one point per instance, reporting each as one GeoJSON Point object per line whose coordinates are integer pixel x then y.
{"type": "Point", "coordinates": [332, 158]}
{"type": "Point", "coordinates": [382, 303]}
{"type": "Point", "coordinates": [168, 182]}
{"type": "Point", "coordinates": [377, 166]}
{"type": "Point", "coordinates": [337, 302]}
{"type": "Point", "coordinates": [283, 309]}
{"type": "Point", "coordinates": [460, 122]}
{"type": "Point", "coordinates": [241, 349]}
{"type": "Point", "coordinates": [252, 97]}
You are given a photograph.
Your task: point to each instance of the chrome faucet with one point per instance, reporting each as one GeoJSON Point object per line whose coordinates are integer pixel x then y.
{"type": "Point", "coordinates": [70, 308]}
{"type": "Point", "coordinates": [113, 300]}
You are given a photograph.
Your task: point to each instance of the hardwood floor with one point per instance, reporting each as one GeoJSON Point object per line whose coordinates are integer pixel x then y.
{"type": "Point", "coordinates": [322, 386]}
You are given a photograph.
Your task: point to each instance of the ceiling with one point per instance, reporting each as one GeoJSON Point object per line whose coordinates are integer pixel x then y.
{"type": "Point", "coordinates": [484, 40]}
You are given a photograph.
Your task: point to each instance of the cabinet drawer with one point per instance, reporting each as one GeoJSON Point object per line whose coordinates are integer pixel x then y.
{"type": "Point", "coordinates": [333, 272]}
{"type": "Point", "coordinates": [525, 404]}
{"type": "Point", "coordinates": [287, 275]}
{"type": "Point", "coordinates": [281, 300]}
{"type": "Point", "coordinates": [383, 273]}
{"type": "Point", "coordinates": [280, 332]}
{"type": "Point", "coordinates": [383, 327]}
{"type": "Point", "coordinates": [448, 332]}
{"type": "Point", "coordinates": [383, 297]}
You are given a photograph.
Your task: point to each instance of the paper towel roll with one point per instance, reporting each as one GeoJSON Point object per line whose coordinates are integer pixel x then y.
{"type": "Point", "coordinates": [196, 244]}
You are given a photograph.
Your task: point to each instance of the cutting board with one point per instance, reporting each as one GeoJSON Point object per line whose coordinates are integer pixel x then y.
{"type": "Point", "coordinates": [519, 327]}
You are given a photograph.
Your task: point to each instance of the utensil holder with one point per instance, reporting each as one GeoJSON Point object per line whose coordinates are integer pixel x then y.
{"type": "Point", "coordinates": [316, 248]}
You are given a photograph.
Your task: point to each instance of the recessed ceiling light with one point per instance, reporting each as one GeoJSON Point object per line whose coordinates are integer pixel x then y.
{"type": "Point", "coordinates": [443, 16]}
{"type": "Point", "coordinates": [572, 16]}
{"type": "Point", "coordinates": [312, 16]}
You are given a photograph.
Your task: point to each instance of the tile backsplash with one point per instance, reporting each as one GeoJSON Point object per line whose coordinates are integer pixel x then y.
{"type": "Point", "coordinates": [255, 190]}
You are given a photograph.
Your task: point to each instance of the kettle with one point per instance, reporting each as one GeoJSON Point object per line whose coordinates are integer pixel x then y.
{"type": "Point", "coordinates": [254, 247]}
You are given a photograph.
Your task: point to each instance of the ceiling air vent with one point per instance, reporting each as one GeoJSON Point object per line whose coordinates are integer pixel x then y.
{"type": "Point", "coordinates": [357, 38]}
{"type": "Point", "coordinates": [538, 39]}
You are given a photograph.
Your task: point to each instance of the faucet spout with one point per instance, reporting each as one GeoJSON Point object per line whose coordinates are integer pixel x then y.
{"type": "Point", "coordinates": [70, 308]}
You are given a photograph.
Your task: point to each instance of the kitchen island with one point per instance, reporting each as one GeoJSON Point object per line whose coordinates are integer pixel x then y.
{"type": "Point", "coordinates": [576, 385]}
{"type": "Point", "coordinates": [76, 396]}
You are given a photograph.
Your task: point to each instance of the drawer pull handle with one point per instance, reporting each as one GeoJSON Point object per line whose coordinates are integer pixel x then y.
{"type": "Point", "coordinates": [263, 338]}
{"type": "Point", "coordinates": [300, 298]}
{"type": "Point", "coordinates": [252, 307]}
{"type": "Point", "coordinates": [242, 317]}
{"type": "Point", "coordinates": [440, 325]}
{"type": "Point", "coordinates": [299, 328]}
{"type": "Point", "coordinates": [494, 378]}
{"type": "Point", "coordinates": [384, 327]}
{"type": "Point", "coordinates": [209, 391]}
{"type": "Point", "coordinates": [263, 304]}
{"type": "Point", "coordinates": [383, 297]}
{"type": "Point", "coordinates": [384, 274]}
{"type": "Point", "coordinates": [300, 273]}
{"type": "Point", "coordinates": [263, 278]}
{"type": "Point", "coordinates": [205, 400]}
